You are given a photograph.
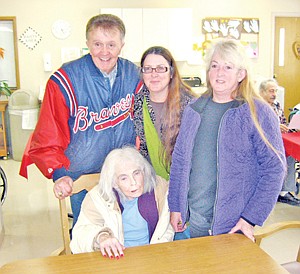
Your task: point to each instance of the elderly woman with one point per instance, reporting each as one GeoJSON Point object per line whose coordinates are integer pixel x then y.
{"type": "Point", "coordinates": [127, 208]}
{"type": "Point", "coordinates": [228, 163]}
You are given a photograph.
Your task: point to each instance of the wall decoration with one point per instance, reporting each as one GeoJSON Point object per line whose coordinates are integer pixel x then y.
{"type": "Point", "coordinates": [232, 27]}
{"type": "Point", "coordinates": [251, 48]}
{"type": "Point", "coordinates": [30, 38]}
{"type": "Point", "coordinates": [244, 29]}
{"type": "Point", "coordinates": [296, 49]}
{"type": "Point", "coordinates": [9, 62]}
{"type": "Point", "coordinates": [61, 29]}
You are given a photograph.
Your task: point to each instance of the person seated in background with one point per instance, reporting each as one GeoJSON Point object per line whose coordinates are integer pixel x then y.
{"type": "Point", "coordinates": [158, 107]}
{"type": "Point", "coordinates": [268, 90]}
{"type": "Point", "coordinates": [127, 208]}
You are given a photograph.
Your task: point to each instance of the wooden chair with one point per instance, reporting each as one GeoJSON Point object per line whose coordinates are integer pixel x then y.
{"type": "Point", "coordinates": [291, 267]}
{"type": "Point", "coordinates": [86, 182]}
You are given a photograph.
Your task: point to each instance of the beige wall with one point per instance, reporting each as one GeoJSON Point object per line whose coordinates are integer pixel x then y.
{"type": "Point", "coordinates": [40, 14]}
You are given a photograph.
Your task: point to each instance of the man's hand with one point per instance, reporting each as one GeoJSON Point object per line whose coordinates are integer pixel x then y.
{"type": "Point", "coordinates": [284, 128]}
{"type": "Point", "coordinates": [63, 187]}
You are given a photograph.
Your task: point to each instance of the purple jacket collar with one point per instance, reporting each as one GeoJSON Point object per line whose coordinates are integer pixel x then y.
{"type": "Point", "coordinates": [147, 208]}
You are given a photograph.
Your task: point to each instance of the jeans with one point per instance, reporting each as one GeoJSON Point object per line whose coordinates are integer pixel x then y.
{"type": "Point", "coordinates": [182, 235]}
{"type": "Point", "coordinates": [289, 183]}
{"type": "Point", "coordinates": [76, 200]}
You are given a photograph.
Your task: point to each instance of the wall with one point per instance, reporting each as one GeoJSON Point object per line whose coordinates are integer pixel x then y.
{"type": "Point", "coordinates": [40, 14]}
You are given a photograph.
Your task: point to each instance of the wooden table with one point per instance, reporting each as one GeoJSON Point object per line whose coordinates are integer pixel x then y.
{"type": "Point", "coordinates": [291, 142]}
{"type": "Point", "coordinates": [229, 253]}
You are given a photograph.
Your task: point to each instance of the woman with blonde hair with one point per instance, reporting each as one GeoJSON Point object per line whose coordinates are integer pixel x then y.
{"type": "Point", "coordinates": [228, 163]}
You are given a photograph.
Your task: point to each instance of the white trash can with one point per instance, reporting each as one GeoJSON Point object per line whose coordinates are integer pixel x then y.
{"type": "Point", "coordinates": [23, 110]}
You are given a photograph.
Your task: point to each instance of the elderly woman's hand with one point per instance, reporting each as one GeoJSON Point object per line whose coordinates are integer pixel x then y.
{"type": "Point", "coordinates": [110, 246]}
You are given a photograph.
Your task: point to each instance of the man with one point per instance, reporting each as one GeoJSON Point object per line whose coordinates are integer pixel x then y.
{"type": "Point", "coordinates": [86, 111]}
{"type": "Point", "coordinates": [268, 90]}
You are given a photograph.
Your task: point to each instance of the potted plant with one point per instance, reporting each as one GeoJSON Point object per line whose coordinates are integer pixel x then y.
{"type": "Point", "coordinates": [4, 88]}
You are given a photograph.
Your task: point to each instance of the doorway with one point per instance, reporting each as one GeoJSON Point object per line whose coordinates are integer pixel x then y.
{"type": "Point", "coordinates": [287, 65]}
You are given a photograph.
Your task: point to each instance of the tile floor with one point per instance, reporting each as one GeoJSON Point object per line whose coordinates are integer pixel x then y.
{"type": "Point", "coordinates": [32, 226]}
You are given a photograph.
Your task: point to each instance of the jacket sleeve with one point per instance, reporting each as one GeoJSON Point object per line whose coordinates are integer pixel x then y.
{"type": "Point", "coordinates": [181, 162]}
{"type": "Point", "coordinates": [89, 224]}
{"type": "Point", "coordinates": [271, 169]}
{"type": "Point", "coordinates": [52, 134]}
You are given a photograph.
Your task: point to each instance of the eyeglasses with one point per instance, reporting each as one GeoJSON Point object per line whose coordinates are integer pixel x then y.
{"type": "Point", "coordinates": [158, 69]}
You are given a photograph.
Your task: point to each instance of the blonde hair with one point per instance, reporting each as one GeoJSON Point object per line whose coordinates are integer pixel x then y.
{"type": "Point", "coordinates": [120, 156]}
{"type": "Point", "coordinates": [234, 52]}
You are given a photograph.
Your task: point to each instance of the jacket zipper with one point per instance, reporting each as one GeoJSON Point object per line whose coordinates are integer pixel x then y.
{"type": "Point", "coordinates": [211, 230]}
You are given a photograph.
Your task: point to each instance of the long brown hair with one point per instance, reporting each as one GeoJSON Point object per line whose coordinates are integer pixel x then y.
{"type": "Point", "coordinates": [171, 112]}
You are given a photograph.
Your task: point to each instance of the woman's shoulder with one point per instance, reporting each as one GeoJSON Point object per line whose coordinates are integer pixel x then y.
{"type": "Point", "coordinates": [187, 94]}
{"type": "Point", "coordinates": [141, 93]}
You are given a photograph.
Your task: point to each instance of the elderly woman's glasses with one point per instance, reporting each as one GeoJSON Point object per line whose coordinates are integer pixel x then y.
{"type": "Point", "coordinates": [158, 69]}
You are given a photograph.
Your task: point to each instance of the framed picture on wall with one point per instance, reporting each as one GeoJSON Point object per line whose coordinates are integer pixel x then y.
{"type": "Point", "coordinates": [9, 63]}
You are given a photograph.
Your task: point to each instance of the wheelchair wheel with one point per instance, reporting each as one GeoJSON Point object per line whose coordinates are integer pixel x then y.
{"type": "Point", "coordinates": [3, 185]}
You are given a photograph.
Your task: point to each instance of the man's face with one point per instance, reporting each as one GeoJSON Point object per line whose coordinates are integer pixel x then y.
{"type": "Point", "coordinates": [270, 93]}
{"type": "Point", "coordinates": [105, 47]}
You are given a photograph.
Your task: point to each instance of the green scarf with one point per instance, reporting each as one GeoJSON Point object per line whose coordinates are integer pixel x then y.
{"type": "Point", "coordinates": [154, 144]}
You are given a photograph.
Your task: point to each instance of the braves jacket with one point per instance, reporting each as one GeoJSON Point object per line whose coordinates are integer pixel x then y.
{"type": "Point", "coordinates": [82, 118]}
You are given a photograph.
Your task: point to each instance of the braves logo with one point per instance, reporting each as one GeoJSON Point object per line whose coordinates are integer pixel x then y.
{"type": "Point", "coordinates": [107, 117]}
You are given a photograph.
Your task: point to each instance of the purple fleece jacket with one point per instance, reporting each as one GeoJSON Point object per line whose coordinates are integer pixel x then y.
{"type": "Point", "coordinates": [250, 175]}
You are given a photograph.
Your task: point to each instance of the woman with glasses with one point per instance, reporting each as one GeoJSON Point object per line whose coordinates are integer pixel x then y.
{"type": "Point", "coordinates": [158, 108]}
{"type": "Point", "coordinates": [127, 208]}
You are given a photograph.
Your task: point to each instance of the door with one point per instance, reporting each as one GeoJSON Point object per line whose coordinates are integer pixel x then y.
{"type": "Point", "coordinates": [287, 70]}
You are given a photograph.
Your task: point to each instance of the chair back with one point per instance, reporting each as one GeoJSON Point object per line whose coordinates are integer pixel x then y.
{"type": "Point", "coordinates": [86, 182]}
{"type": "Point", "coordinates": [291, 267]}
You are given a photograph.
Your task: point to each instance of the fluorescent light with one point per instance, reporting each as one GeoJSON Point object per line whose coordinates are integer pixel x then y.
{"type": "Point", "coordinates": [281, 47]}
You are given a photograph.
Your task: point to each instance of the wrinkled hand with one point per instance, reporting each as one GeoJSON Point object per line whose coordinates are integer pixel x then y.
{"type": "Point", "coordinates": [176, 222]}
{"type": "Point", "coordinates": [245, 227]}
{"type": "Point", "coordinates": [284, 128]}
{"type": "Point", "coordinates": [63, 187]}
{"type": "Point", "coordinates": [111, 247]}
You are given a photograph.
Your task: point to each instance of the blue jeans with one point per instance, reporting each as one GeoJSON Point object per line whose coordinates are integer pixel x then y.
{"type": "Point", "coordinates": [76, 200]}
{"type": "Point", "coordinates": [182, 235]}
{"type": "Point", "coordinates": [289, 183]}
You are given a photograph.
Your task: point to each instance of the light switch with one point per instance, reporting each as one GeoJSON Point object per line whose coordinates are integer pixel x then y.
{"type": "Point", "coordinates": [47, 62]}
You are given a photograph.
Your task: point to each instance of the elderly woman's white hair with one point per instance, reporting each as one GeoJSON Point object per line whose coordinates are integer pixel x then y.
{"type": "Point", "coordinates": [120, 156]}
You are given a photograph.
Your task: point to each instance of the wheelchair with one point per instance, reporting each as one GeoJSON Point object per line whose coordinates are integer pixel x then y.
{"type": "Point", "coordinates": [294, 110]}
{"type": "Point", "coordinates": [3, 186]}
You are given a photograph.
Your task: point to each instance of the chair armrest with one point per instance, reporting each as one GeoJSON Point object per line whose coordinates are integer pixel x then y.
{"type": "Point", "coordinates": [271, 229]}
